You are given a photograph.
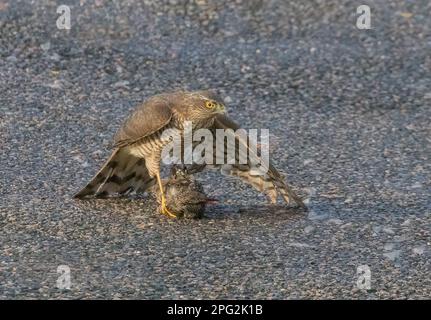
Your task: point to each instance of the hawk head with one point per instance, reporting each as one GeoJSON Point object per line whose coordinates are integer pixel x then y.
{"type": "Point", "coordinates": [203, 105]}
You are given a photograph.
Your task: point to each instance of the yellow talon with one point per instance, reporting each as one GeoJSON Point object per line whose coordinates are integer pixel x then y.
{"type": "Point", "coordinates": [164, 209]}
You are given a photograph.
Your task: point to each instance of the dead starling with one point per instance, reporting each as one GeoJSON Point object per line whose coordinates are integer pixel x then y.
{"type": "Point", "coordinates": [185, 196]}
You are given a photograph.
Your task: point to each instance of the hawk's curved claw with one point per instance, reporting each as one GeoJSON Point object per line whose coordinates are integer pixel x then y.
{"type": "Point", "coordinates": [164, 210]}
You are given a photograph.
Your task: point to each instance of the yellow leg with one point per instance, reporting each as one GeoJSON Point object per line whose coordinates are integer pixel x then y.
{"type": "Point", "coordinates": [164, 210]}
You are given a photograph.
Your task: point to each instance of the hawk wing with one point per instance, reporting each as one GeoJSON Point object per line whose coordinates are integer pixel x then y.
{"type": "Point", "coordinates": [148, 118]}
{"type": "Point", "coordinates": [271, 183]}
{"type": "Point", "coordinates": [123, 172]}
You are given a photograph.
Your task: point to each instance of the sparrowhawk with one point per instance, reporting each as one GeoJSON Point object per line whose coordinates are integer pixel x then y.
{"type": "Point", "coordinates": [134, 164]}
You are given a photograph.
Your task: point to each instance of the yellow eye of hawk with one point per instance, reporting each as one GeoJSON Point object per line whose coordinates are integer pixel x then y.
{"type": "Point", "coordinates": [210, 104]}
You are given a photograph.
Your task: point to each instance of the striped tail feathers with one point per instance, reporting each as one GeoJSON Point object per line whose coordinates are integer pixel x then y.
{"type": "Point", "coordinates": [287, 193]}
{"type": "Point", "coordinates": [121, 174]}
{"type": "Point", "coordinates": [272, 185]}
{"type": "Point", "coordinates": [256, 181]}
{"type": "Point", "coordinates": [272, 182]}
{"type": "Point", "coordinates": [281, 185]}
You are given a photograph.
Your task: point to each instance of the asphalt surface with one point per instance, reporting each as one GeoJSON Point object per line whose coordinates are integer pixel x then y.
{"type": "Point", "coordinates": [348, 110]}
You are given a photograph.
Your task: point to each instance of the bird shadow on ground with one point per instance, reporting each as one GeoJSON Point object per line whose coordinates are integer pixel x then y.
{"type": "Point", "coordinates": [218, 212]}
{"type": "Point", "coordinates": [118, 205]}
{"type": "Point", "coordinates": [144, 207]}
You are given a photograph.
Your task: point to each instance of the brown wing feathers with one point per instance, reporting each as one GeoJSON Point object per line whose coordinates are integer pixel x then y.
{"type": "Point", "coordinates": [147, 119]}
{"type": "Point", "coordinates": [121, 174]}
{"type": "Point", "coordinates": [271, 183]}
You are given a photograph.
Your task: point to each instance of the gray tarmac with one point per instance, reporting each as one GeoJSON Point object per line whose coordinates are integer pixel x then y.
{"type": "Point", "coordinates": [349, 114]}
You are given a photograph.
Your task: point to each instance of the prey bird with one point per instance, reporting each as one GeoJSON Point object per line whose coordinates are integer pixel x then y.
{"type": "Point", "coordinates": [134, 164]}
{"type": "Point", "coordinates": [184, 195]}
